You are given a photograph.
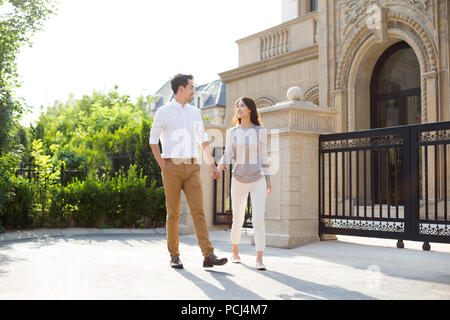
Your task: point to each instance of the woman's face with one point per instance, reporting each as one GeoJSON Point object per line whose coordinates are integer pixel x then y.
{"type": "Point", "coordinates": [242, 110]}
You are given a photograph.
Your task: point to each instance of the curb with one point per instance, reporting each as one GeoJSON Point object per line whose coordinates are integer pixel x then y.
{"type": "Point", "coordinates": [69, 232]}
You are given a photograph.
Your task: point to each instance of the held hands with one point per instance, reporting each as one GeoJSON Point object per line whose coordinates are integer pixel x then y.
{"type": "Point", "coordinates": [216, 174]}
{"type": "Point", "coordinates": [217, 171]}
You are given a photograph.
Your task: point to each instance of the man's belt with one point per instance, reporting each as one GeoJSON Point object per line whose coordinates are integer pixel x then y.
{"type": "Point", "coordinates": [182, 160]}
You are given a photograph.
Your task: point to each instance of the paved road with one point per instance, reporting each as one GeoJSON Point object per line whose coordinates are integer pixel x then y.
{"type": "Point", "coordinates": [136, 266]}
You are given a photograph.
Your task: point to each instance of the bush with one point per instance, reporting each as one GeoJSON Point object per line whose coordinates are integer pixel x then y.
{"type": "Point", "coordinates": [110, 202]}
{"type": "Point", "coordinates": [91, 200]}
{"type": "Point", "coordinates": [123, 200]}
{"type": "Point", "coordinates": [133, 197]}
{"type": "Point", "coordinates": [156, 205]}
{"type": "Point", "coordinates": [19, 208]}
{"type": "Point", "coordinates": [8, 163]}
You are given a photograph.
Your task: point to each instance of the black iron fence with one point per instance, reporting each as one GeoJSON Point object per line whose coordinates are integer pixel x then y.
{"type": "Point", "coordinates": [68, 175]}
{"type": "Point", "coordinates": [387, 183]}
{"type": "Point", "coordinates": [222, 204]}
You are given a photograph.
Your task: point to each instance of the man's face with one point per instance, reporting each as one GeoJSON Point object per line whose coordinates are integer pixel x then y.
{"type": "Point", "coordinates": [188, 91]}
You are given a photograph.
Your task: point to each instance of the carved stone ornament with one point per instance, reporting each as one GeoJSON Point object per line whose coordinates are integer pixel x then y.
{"type": "Point", "coordinates": [356, 8]}
{"type": "Point", "coordinates": [377, 22]}
{"type": "Point", "coordinates": [422, 3]}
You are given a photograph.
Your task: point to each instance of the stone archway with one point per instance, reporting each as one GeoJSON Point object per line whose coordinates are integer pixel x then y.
{"type": "Point", "coordinates": [358, 92]}
{"type": "Point", "coordinates": [362, 50]}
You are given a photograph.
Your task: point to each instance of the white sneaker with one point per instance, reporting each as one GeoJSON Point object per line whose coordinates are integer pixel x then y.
{"type": "Point", "coordinates": [235, 260]}
{"type": "Point", "coordinates": [260, 266]}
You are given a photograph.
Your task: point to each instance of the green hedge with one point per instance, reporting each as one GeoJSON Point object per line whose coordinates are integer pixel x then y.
{"type": "Point", "coordinates": [105, 202]}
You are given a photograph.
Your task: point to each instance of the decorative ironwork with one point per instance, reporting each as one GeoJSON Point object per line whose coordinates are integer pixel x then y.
{"type": "Point", "coordinates": [354, 144]}
{"type": "Point", "coordinates": [434, 229]}
{"type": "Point", "coordinates": [399, 172]}
{"type": "Point", "coordinates": [434, 136]}
{"type": "Point", "coordinates": [364, 225]}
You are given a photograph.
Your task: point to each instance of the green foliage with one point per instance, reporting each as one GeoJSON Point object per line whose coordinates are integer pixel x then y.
{"type": "Point", "coordinates": [137, 200]}
{"type": "Point", "coordinates": [8, 163]}
{"type": "Point", "coordinates": [47, 174]}
{"type": "Point", "coordinates": [81, 133]}
{"type": "Point", "coordinates": [89, 130]}
{"type": "Point", "coordinates": [94, 198]}
{"type": "Point", "coordinates": [208, 118]}
{"type": "Point", "coordinates": [101, 202]}
{"type": "Point", "coordinates": [19, 208]}
{"type": "Point", "coordinates": [16, 28]}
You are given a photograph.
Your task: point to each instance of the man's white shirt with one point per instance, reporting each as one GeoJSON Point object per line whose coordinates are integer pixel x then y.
{"type": "Point", "coordinates": [180, 130]}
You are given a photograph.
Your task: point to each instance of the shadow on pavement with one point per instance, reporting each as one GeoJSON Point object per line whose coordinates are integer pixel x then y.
{"type": "Point", "coordinates": [231, 290]}
{"type": "Point", "coordinates": [309, 290]}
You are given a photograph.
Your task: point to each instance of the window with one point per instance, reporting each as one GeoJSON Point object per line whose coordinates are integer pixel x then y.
{"type": "Point", "coordinates": [313, 4]}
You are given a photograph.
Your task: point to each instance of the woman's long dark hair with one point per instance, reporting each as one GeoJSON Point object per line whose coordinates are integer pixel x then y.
{"type": "Point", "coordinates": [254, 116]}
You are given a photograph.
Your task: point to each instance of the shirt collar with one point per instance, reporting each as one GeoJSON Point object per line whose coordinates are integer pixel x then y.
{"type": "Point", "coordinates": [178, 105]}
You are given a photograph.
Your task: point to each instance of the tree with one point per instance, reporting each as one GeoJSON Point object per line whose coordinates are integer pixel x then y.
{"type": "Point", "coordinates": [19, 20]}
{"type": "Point", "coordinates": [91, 130]}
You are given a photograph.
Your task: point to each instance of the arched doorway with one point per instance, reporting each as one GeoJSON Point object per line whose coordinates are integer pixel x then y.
{"type": "Point", "coordinates": [395, 95]}
{"type": "Point", "coordinates": [395, 88]}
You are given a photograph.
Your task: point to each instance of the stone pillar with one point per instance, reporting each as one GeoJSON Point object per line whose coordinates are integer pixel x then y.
{"type": "Point", "coordinates": [432, 100]}
{"type": "Point", "coordinates": [292, 207]}
{"type": "Point", "coordinates": [217, 134]}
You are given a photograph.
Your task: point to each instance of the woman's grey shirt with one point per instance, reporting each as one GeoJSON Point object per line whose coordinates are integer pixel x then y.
{"type": "Point", "coordinates": [247, 149]}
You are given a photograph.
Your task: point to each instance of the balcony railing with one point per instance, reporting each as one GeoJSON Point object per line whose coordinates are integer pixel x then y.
{"type": "Point", "coordinates": [293, 35]}
{"type": "Point", "coordinates": [275, 44]}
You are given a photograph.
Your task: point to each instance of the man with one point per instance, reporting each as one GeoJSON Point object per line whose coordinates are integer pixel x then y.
{"type": "Point", "coordinates": [180, 127]}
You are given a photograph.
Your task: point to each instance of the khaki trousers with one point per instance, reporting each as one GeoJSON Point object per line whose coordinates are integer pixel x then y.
{"type": "Point", "coordinates": [184, 176]}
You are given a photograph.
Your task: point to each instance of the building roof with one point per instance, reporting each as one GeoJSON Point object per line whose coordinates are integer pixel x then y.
{"type": "Point", "coordinates": [214, 91]}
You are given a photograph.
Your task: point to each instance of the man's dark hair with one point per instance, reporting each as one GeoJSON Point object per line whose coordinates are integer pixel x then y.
{"type": "Point", "coordinates": [180, 80]}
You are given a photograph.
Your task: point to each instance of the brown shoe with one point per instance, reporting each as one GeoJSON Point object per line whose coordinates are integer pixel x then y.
{"type": "Point", "coordinates": [175, 262]}
{"type": "Point", "coordinates": [212, 260]}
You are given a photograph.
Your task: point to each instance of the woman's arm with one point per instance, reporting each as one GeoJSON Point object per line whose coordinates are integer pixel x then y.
{"type": "Point", "coordinates": [263, 154]}
{"type": "Point", "coordinates": [228, 154]}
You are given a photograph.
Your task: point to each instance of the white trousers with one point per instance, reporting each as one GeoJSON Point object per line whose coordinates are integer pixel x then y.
{"type": "Point", "coordinates": [239, 194]}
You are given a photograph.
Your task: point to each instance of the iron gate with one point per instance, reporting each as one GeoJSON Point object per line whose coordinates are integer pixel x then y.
{"type": "Point", "coordinates": [386, 183]}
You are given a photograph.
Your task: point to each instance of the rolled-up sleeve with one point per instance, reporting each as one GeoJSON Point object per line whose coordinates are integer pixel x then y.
{"type": "Point", "coordinates": [200, 134]}
{"type": "Point", "coordinates": [228, 154]}
{"type": "Point", "coordinates": [158, 126]}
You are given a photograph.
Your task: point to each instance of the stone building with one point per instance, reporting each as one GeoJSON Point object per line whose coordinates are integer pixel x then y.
{"type": "Point", "coordinates": [332, 54]}
{"type": "Point", "coordinates": [359, 64]}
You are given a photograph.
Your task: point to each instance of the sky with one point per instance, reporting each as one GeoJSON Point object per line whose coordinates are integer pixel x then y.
{"type": "Point", "coordinates": [135, 44]}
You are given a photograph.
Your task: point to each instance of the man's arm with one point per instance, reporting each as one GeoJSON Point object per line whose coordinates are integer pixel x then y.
{"type": "Point", "coordinates": [201, 137]}
{"type": "Point", "coordinates": [158, 126]}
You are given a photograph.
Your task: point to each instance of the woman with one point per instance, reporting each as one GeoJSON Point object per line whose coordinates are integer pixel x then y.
{"type": "Point", "coordinates": [246, 143]}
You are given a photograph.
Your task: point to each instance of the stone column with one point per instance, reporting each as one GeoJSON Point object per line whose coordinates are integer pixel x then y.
{"type": "Point", "coordinates": [292, 207]}
{"type": "Point", "coordinates": [217, 134]}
